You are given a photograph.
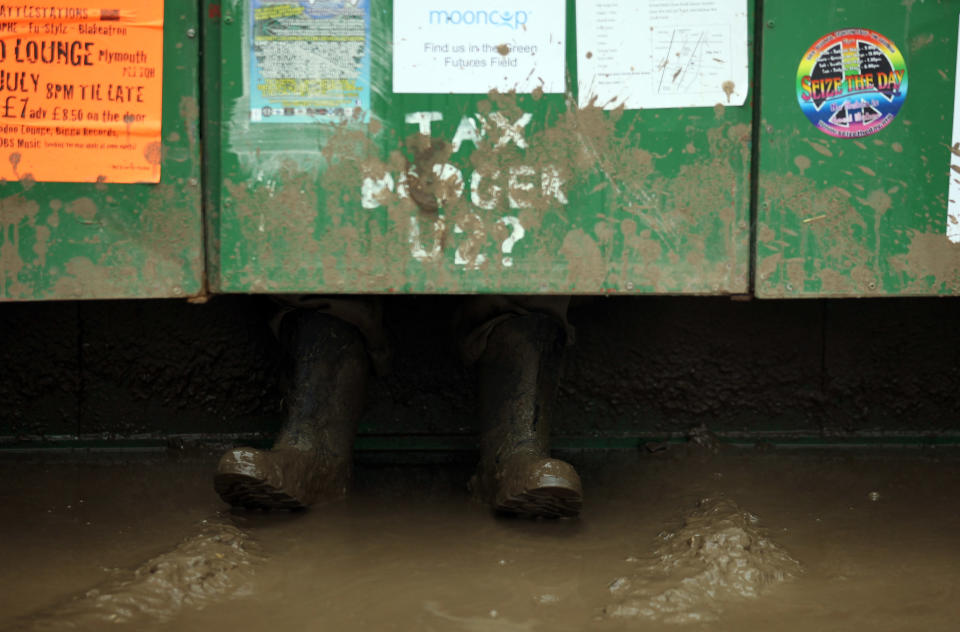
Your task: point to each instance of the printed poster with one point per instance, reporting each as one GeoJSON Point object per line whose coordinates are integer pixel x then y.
{"type": "Point", "coordinates": [310, 61]}
{"type": "Point", "coordinates": [462, 48]}
{"type": "Point", "coordinates": [852, 83]}
{"type": "Point", "coordinates": [641, 54]}
{"type": "Point", "coordinates": [81, 90]}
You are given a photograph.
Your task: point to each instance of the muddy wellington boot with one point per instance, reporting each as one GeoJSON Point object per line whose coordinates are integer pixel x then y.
{"type": "Point", "coordinates": [518, 377]}
{"type": "Point", "coordinates": [311, 460]}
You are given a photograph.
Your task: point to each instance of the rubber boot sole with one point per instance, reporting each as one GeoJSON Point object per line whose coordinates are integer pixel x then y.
{"type": "Point", "coordinates": [543, 502]}
{"type": "Point", "coordinates": [252, 493]}
{"type": "Point", "coordinates": [545, 488]}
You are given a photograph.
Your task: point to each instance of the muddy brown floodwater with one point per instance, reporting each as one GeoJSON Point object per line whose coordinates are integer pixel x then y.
{"type": "Point", "coordinates": [682, 539]}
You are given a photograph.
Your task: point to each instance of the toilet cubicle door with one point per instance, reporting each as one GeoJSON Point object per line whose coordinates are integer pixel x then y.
{"type": "Point", "coordinates": [100, 150]}
{"type": "Point", "coordinates": [858, 168]}
{"type": "Point", "coordinates": [527, 146]}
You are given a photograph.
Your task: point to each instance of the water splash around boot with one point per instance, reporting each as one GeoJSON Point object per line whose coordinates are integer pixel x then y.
{"type": "Point", "coordinates": [718, 555]}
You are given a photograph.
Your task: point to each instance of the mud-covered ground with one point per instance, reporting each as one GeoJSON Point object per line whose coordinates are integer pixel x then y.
{"type": "Point", "coordinates": [686, 538]}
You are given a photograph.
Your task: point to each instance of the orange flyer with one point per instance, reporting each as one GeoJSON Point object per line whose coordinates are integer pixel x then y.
{"type": "Point", "coordinates": [81, 90]}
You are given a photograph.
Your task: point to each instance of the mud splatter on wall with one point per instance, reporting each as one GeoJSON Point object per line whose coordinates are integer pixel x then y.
{"type": "Point", "coordinates": [502, 192]}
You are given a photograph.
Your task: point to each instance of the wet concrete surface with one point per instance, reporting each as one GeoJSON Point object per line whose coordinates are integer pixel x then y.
{"type": "Point", "coordinates": [647, 366]}
{"type": "Point", "coordinates": [691, 537]}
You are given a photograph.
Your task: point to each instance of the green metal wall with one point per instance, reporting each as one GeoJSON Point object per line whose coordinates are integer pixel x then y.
{"type": "Point", "coordinates": [657, 201]}
{"type": "Point", "coordinates": [857, 216]}
{"type": "Point", "coordinates": [651, 201]}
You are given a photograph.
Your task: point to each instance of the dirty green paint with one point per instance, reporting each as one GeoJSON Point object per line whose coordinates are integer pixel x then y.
{"type": "Point", "coordinates": [649, 201]}
{"type": "Point", "coordinates": [865, 217]}
{"type": "Point", "coordinates": [86, 241]}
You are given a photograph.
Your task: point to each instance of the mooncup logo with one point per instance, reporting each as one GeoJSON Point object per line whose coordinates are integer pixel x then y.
{"type": "Point", "coordinates": [510, 19]}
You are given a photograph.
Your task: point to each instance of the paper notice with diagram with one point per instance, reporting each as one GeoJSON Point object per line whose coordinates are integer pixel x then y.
{"type": "Point", "coordinates": [953, 206]}
{"type": "Point", "coordinates": [662, 53]}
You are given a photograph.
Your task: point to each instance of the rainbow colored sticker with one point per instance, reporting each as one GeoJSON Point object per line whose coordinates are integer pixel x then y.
{"type": "Point", "coordinates": [852, 83]}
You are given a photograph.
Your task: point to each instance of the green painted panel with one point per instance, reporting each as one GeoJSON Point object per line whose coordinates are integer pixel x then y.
{"type": "Point", "coordinates": [857, 216]}
{"type": "Point", "coordinates": [651, 201]}
{"type": "Point", "coordinates": [85, 241]}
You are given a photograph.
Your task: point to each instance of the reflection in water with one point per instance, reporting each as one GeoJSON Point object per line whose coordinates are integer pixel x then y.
{"type": "Point", "coordinates": [492, 622]}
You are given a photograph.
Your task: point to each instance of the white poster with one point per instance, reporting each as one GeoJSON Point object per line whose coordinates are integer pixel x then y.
{"type": "Point", "coordinates": [662, 53]}
{"type": "Point", "coordinates": [953, 206]}
{"type": "Point", "coordinates": [469, 48]}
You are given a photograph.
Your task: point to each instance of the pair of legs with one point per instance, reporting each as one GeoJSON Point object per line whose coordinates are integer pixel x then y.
{"type": "Point", "coordinates": [516, 344]}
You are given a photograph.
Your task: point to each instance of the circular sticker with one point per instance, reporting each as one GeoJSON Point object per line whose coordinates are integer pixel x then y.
{"type": "Point", "coordinates": [852, 83]}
